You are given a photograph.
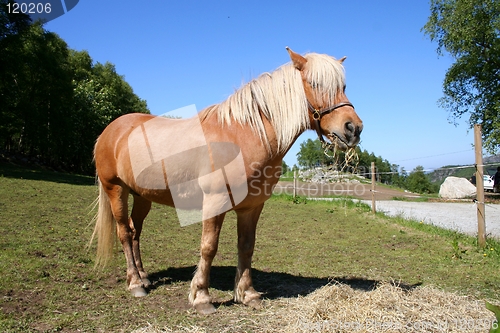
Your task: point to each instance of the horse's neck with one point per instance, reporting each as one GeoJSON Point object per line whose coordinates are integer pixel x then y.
{"type": "Point", "coordinates": [254, 147]}
{"type": "Point", "coordinates": [272, 138]}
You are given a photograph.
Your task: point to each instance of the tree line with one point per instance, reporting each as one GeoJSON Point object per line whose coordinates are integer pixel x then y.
{"type": "Point", "coordinates": [55, 101]}
{"type": "Point", "coordinates": [311, 154]}
{"type": "Point", "coordinates": [469, 32]}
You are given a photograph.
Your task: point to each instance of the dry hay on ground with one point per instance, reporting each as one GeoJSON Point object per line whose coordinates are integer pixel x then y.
{"type": "Point", "coordinates": [388, 308]}
{"type": "Point", "coordinates": [340, 308]}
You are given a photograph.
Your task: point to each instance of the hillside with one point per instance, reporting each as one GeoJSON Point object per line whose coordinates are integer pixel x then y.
{"type": "Point", "coordinates": [492, 159]}
{"type": "Point", "coordinates": [439, 175]}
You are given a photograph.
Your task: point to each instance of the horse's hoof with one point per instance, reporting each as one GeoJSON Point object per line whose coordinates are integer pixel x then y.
{"type": "Point", "coordinates": [138, 292]}
{"type": "Point", "coordinates": [205, 308]}
{"type": "Point", "coordinates": [255, 304]}
{"type": "Point", "coordinates": [146, 282]}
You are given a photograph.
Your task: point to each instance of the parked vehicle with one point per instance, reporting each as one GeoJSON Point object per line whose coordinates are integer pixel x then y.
{"type": "Point", "coordinates": [488, 183]}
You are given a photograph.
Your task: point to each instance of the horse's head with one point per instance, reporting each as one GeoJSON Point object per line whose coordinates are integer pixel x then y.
{"type": "Point", "coordinates": [331, 113]}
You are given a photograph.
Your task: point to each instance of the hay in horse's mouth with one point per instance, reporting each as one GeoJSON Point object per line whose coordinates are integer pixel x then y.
{"type": "Point", "coordinates": [337, 141]}
{"type": "Point", "coordinates": [351, 158]}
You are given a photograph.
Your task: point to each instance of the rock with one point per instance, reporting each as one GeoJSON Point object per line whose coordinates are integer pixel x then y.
{"type": "Point", "coordinates": [327, 175]}
{"type": "Point", "coordinates": [456, 188]}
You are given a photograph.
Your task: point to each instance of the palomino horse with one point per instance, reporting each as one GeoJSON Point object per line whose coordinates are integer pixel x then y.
{"type": "Point", "coordinates": [231, 163]}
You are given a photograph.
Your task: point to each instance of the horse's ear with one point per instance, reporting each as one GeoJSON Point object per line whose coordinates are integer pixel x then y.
{"type": "Point", "coordinates": [341, 60]}
{"type": "Point", "coordinates": [298, 60]}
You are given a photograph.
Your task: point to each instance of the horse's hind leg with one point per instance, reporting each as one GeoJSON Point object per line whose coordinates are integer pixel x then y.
{"type": "Point", "coordinates": [140, 210]}
{"type": "Point", "coordinates": [118, 197]}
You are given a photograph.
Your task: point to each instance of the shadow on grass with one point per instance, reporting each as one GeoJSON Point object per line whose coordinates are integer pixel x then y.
{"type": "Point", "coordinates": [272, 285]}
{"type": "Point", "coordinates": [11, 170]}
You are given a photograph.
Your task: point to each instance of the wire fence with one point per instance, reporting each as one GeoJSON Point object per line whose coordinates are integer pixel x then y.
{"type": "Point", "coordinates": [358, 189]}
{"type": "Point", "coordinates": [340, 185]}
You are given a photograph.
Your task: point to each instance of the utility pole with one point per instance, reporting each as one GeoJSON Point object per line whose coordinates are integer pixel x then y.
{"type": "Point", "coordinates": [481, 221]}
{"type": "Point", "coordinates": [373, 187]}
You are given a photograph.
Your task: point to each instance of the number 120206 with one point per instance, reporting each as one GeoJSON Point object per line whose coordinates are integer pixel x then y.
{"type": "Point", "coordinates": [29, 8]}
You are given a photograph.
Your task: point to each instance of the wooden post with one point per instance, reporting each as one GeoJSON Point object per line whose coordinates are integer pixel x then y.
{"type": "Point", "coordinates": [294, 183]}
{"type": "Point", "coordinates": [373, 188]}
{"type": "Point", "coordinates": [481, 224]}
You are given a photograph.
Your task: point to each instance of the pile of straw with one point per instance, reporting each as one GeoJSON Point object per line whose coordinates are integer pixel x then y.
{"type": "Point", "coordinates": [387, 308]}
{"type": "Point", "coordinates": [340, 308]}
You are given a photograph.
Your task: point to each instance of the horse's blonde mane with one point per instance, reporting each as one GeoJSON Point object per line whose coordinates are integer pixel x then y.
{"type": "Point", "coordinates": [279, 96]}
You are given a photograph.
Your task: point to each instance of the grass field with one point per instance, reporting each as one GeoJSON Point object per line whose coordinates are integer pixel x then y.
{"type": "Point", "coordinates": [49, 282]}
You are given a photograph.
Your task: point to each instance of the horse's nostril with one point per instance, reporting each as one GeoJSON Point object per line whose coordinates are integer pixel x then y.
{"type": "Point", "coordinates": [352, 132]}
{"type": "Point", "coordinates": [350, 128]}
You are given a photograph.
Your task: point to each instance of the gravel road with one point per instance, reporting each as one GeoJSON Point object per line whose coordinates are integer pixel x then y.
{"type": "Point", "coordinates": [461, 217]}
{"type": "Point", "coordinates": [457, 216]}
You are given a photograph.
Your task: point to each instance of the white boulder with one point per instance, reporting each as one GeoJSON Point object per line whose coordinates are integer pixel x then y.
{"type": "Point", "coordinates": [456, 188]}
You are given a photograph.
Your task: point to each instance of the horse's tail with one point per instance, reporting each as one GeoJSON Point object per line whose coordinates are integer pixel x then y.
{"type": "Point", "coordinates": [105, 228]}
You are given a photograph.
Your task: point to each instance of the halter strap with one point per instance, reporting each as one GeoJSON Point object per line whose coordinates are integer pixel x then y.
{"type": "Point", "coordinates": [317, 114]}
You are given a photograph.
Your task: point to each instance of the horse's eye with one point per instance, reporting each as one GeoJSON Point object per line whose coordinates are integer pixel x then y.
{"type": "Point", "coordinates": [315, 85]}
{"type": "Point", "coordinates": [344, 88]}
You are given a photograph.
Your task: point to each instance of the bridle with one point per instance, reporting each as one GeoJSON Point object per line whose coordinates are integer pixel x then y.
{"type": "Point", "coordinates": [317, 114]}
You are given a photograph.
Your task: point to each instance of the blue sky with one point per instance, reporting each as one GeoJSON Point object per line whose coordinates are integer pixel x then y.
{"type": "Point", "coordinates": [178, 53]}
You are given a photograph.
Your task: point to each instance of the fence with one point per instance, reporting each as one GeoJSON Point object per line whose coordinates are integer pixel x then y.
{"type": "Point", "coordinates": [358, 189]}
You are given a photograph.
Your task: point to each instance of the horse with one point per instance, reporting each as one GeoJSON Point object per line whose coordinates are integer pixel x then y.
{"type": "Point", "coordinates": [228, 157]}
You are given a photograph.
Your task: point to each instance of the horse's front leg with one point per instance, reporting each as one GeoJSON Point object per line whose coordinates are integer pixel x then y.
{"type": "Point", "coordinates": [243, 285]}
{"type": "Point", "coordinates": [198, 295]}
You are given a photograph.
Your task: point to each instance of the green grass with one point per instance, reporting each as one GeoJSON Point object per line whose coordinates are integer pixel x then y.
{"type": "Point", "coordinates": [49, 284]}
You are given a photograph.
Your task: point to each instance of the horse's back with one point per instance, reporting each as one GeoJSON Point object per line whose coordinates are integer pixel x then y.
{"type": "Point", "coordinates": [112, 144]}
{"type": "Point", "coordinates": [162, 159]}
{"type": "Point", "coordinates": [123, 125]}
{"type": "Point", "coordinates": [141, 151]}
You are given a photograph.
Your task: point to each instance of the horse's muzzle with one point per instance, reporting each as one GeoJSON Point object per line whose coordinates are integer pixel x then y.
{"type": "Point", "coordinates": [349, 138]}
{"type": "Point", "coordinates": [352, 133]}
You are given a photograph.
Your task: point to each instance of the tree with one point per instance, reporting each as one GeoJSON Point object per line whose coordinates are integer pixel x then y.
{"type": "Point", "coordinates": [11, 24]}
{"type": "Point", "coordinates": [397, 178]}
{"type": "Point", "coordinates": [13, 28]}
{"type": "Point", "coordinates": [311, 154]}
{"type": "Point", "coordinates": [35, 92]}
{"type": "Point", "coordinates": [470, 31]}
{"type": "Point", "coordinates": [418, 182]}
{"type": "Point", "coordinates": [284, 167]}
{"type": "Point", "coordinates": [54, 101]}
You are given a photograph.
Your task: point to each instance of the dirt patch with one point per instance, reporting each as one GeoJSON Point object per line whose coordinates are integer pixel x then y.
{"type": "Point", "coordinates": [357, 190]}
{"type": "Point", "coordinates": [22, 301]}
{"type": "Point", "coordinates": [363, 192]}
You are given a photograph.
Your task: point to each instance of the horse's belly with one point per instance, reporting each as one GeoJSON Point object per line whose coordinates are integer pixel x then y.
{"type": "Point", "coordinates": [187, 185]}
{"type": "Point", "coordinates": [155, 184]}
